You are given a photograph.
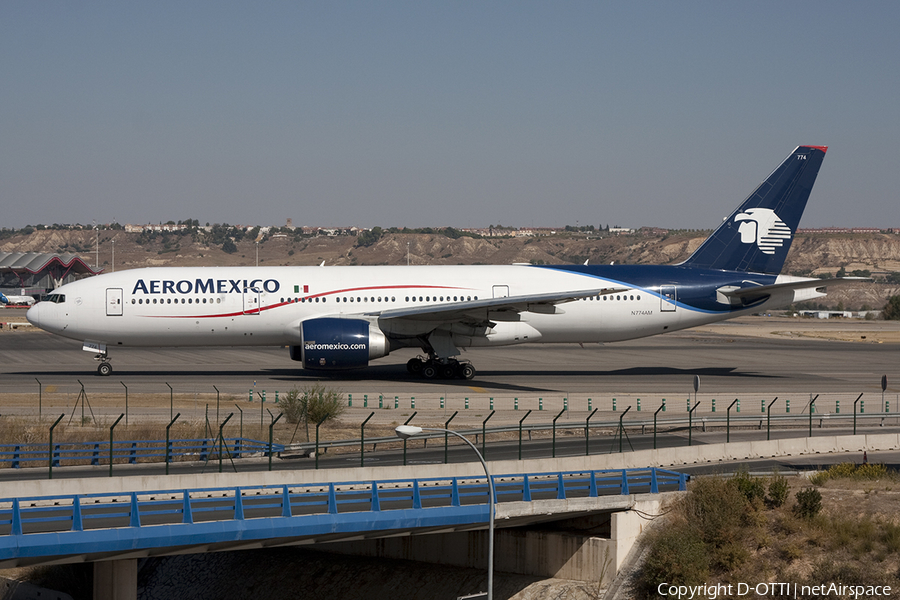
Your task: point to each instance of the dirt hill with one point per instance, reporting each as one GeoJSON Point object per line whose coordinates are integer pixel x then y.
{"type": "Point", "coordinates": [810, 254]}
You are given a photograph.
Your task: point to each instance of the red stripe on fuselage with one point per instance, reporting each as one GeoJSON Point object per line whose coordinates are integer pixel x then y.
{"type": "Point", "coordinates": [308, 297]}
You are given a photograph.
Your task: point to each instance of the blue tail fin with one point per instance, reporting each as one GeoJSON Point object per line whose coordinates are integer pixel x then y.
{"type": "Point", "coordinates": [757, 236]}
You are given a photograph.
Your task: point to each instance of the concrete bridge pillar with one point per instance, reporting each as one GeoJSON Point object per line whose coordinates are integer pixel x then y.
{"type": "Point", "coordinates": [115, 579]}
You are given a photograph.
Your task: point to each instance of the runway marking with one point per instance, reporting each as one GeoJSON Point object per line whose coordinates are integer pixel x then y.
{"type": "Point", "coordinates": [477, 390]}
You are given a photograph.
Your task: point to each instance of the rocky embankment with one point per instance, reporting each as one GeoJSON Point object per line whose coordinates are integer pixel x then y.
{"type": "Point", "coordinates": [810, 254]}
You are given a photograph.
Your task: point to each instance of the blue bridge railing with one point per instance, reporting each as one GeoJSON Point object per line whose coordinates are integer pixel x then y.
{"type": "Point", "coordinates": [32, 527]}
{"type": "Point", "coordinates": [131, 451]}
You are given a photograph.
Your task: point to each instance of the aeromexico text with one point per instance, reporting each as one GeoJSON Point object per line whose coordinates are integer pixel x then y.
{"type": "Point", "coordinates": [205, 286]}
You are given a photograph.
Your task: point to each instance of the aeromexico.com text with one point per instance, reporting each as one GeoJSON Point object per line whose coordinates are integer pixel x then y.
{"type": "Point", "coordinates": [204, 286]}
{"type": "Point", "coordinates": [314, 346]}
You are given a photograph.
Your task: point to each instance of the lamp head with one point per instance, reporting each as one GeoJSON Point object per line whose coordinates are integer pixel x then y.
{"type": "Point", "coordinates": [407, 431]}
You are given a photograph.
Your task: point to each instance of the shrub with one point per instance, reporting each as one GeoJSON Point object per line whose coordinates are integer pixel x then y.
{"type": "Point", "coordinates": [292, 407]}
{"type": "Point", "coordinates": [750, 487]}
{"type": "Point", "coordinates": [677, 555]}
{"type": "Point", "coordinates": [717, 509]}
{"type": "Point", "coordinates": [323, 404]}
{"type": "Point", "coordinates": [869, 471]}
{"type": "Point", "coordinates": [809, 503]}
{"type": "Point", "coordinates": [891, 310]}
{"type": "Point", "coordinates": [314, 404]}
{"type": "Point", "coordinates": [778, 490]}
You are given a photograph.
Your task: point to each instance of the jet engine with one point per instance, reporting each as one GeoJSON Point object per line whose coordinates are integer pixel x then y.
{"type": "Point", "coordinates": [333, 344]}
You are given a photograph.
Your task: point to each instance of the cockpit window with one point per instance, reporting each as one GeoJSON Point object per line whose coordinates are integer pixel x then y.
{"type": "Point", "coordinates": [56, 298]}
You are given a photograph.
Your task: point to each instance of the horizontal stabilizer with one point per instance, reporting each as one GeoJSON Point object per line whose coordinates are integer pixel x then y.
{"type": "Point", "coordinates": [761, 290]}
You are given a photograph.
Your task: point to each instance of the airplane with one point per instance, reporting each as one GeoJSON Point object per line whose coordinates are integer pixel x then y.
{"type": "Point", "coordinates": [16, 300]}
{"type": "Point", "coordinates": [343, 317]}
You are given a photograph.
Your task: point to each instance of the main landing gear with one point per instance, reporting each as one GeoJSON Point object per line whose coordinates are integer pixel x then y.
{"type": "Point", "coordinates": [431, 368]}
{"type": "Point", "coordinates": [104, 369]}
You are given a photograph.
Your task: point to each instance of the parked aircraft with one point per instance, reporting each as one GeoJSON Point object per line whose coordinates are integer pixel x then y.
{"type": "Point", "coordinates": [335, 318]}
{"type": "Point", "coordinates": [16, 300]}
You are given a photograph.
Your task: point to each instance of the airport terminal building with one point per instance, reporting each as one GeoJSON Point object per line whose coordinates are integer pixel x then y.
{"type": "Point", "coordinates": [37, 273]}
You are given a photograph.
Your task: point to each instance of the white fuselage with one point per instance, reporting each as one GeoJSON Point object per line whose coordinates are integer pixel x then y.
{"type": "Point", "coordinates": [236, 306]}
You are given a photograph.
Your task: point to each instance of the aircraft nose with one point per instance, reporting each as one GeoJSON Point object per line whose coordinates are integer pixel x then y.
{"type": "Point", "coordinates": [33, 315]}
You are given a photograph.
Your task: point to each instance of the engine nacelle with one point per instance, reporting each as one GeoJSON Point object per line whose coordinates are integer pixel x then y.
{"type": "Point", "coordinates": [332, 344]}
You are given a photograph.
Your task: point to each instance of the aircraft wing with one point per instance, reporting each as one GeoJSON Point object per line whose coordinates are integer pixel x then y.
{"type": "Point", "coordinates": [763, 290]}
{"type": "Point", "coordinates": [461, 311]}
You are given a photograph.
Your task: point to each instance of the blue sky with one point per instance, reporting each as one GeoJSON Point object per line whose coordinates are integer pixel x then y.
{"type": "Point", "coordinates": [432, 113]}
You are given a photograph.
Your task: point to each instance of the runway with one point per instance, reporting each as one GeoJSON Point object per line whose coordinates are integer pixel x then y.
{"type": "Point", "coordinates": [730, 364]}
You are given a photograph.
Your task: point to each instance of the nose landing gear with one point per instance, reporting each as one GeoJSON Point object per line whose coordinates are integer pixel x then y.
{"type": "Point", "coordinates": [104, 369]}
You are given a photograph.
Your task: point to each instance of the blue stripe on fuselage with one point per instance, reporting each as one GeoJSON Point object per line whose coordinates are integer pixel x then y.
{"type": "Point", "coordinates": [696, 288]}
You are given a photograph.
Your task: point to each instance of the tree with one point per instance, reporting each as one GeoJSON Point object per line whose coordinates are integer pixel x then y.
{"type": "Point", "coordinates": [315, 404]}
{"type": "Point", "coordinates": [367, 238]}
{"type": "Point", "coordinates": [891, 310]}
{"type": "Point", "coordinates": [229, 247]}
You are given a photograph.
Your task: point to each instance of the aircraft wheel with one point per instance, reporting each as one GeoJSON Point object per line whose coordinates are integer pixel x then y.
{"type": "Point", "coordinates": [414, 366]}
{"type": "Point", "coordinates": [448, 371]}
{"type": "Point", "coordinates": [104, 369]}
{"type": "Point", "coordinates": [467, 371]}
{"type": "Point", "coordinates": [429, 371]}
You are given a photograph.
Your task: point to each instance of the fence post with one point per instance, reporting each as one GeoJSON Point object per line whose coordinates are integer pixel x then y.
{"type": "Point", "coordinates": [222, 439]}
{"type": "Point", "coordinates": [404, 439]}
{"type": "Point", "coordinates": [168, 446]}
{"type": "Point", "coordinates": [41, 397]}
{"type": "Point", "coordinates": [691, 422]}
{"type": "Point", "coordinates": [362, 440]}
{"type": "Point", "coordinates": [126, 404]}
{"type": "Point", "coordinates": [50, 448]}
{"type": "Point", "coordinates": [661, 407]}
{"type": "Point", "coordinates": [484, 434]}
{"type": "Point", "coordinates": [769, 417]}
{"type": "Point", "coordinates": [728, 419]}
{"type": "Point", "coordinates": [520, 433]}
{"type": "Point", "coordinates": [111, 443]}
{"type": "Point", "coordinates": [238, 443]}
{"type": "Point", "coordinates": [446, 435]}
{"type": "Point", "coordinates": [272, 427]}
{"type": "Point", "coordinates": [554, 431]}
{"type": "Point", "coordinates": [587, 433]}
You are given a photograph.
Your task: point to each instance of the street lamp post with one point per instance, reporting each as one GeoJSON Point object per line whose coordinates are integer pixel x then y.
{"type": "Point", "coordinates": [407, 431]}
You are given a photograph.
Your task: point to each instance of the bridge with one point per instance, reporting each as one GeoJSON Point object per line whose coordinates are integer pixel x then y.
{"type": "Point", "coordinates": [114, 521]}
{"type": "Point", "coordinates": [114, 528]}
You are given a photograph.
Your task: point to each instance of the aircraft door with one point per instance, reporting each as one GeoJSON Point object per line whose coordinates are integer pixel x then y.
{"type": "Point", "coordinates": [667, 298]}
{"type": "Point", "coordinates": [114, 302]}
{"type": "Point", "coordinates": [501, 291]}
{"type": "Point", "coordinates": [251, 301]}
